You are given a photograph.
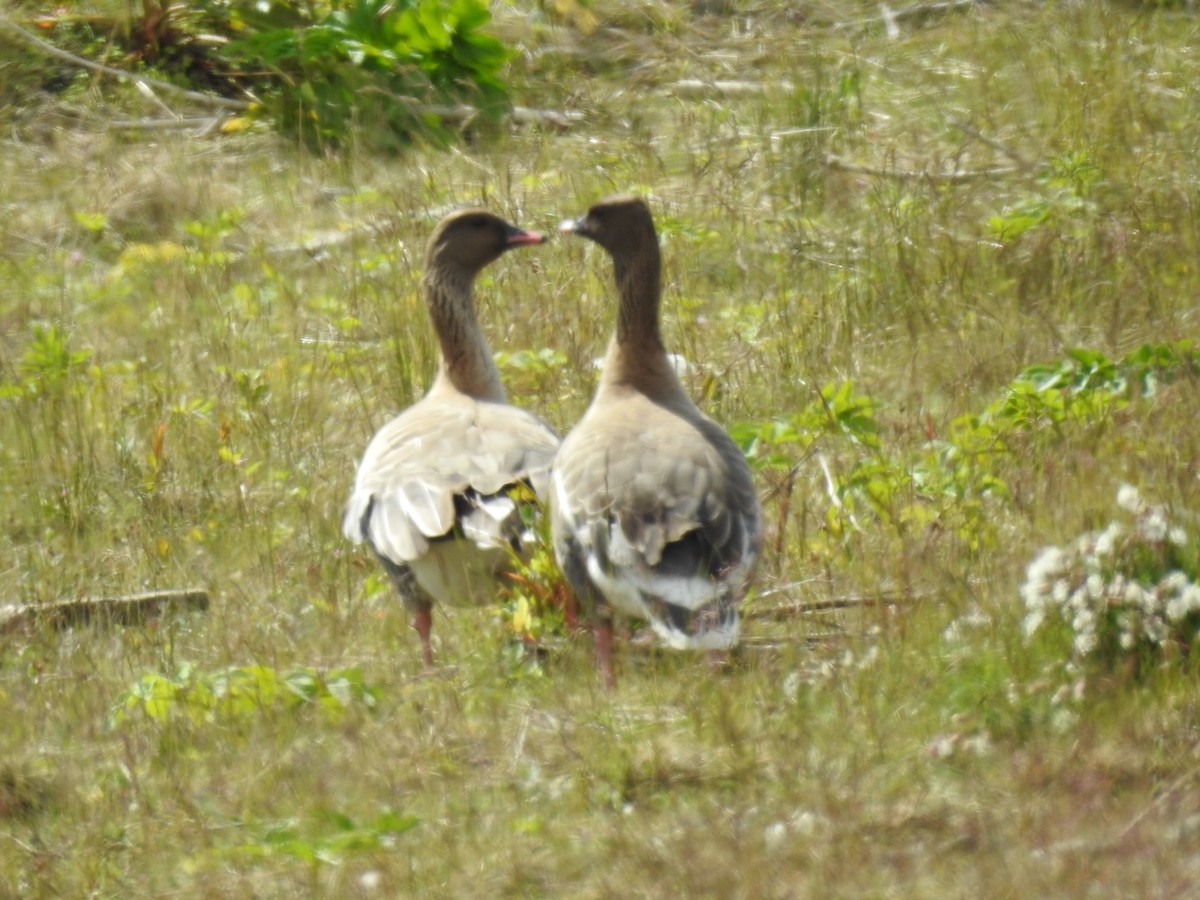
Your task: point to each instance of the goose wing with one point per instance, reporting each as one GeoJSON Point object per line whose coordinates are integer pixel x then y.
{"type": "Point", "coordinates": [655, 511]}
{"type": "Point", "coordinates": [446, 466]}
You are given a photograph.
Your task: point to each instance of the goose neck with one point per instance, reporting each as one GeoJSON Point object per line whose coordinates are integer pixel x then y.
{"type": "Point", "coordinates": [466, 361]}
{"type": "Point", "coordinates": [639, 283]}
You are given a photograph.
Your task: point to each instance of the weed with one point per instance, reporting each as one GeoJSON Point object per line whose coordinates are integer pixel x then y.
{"type": "Point", "coordinates": [1127, 594]}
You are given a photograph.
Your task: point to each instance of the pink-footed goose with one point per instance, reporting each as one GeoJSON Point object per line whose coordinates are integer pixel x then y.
{"type": "Point", "coordinates": [653, 508]}
{"type": "Point", "coordinates": [434, 496]}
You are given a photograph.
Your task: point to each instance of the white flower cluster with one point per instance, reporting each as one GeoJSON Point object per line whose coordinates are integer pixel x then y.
{"type": "Point", "coordinates": [1117, 588]}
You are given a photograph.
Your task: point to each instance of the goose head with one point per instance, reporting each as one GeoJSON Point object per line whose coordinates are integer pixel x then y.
{"type": "Point", "coordinates": [621, 224]}
{"type": "Point", "coordinates": [468, 240]}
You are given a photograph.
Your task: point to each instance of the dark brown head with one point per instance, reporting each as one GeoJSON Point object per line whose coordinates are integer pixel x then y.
{"type": "Point", "coordinates": [622, 225]}
{"type": "Point", "coordinates": [469, 239]}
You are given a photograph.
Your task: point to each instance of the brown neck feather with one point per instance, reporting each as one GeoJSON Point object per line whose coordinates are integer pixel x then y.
{"type": "Point", "coordinates": [639, 283]}
{"type": "Point", "coordinates": [466, 363]}
{"type": "Point", "coordinates": [636, 357]}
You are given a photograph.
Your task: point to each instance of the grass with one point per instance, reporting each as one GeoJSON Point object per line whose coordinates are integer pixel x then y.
{"type": "Point", "coordinates": [186, 392]}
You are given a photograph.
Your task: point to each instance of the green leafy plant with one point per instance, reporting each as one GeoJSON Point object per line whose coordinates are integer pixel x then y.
{"type": "Point", "coordinates": [837, 410]}
{"type": "Point", "coordinates": [951, 479]}
{"type": "Point", "coordinates": [47, 366]}
{"type": "Point", "coordinates": [332, 63]}
{"type": "Point", "coordinates": [527, 372]}
{"type": "Point", "coordinates": [240, 692]}
{"type": "Point", "coordinates": [327, 838]}
{"type": "Point", "coordinates": [537, 602]}
{"type": "Point", "coordinates": [210, 233]}
{"type": "Point", "coordinates": [1082, 388]}
{"type": "Point", "coordinates": [1063, 196]}
{"type": "Point", "coordinates": [1138, 374]}
{"type": "Point", "coordinates": [830, 102]}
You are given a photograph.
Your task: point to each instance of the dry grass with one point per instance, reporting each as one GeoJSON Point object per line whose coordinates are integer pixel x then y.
{"type": "Point", "coordinates": [228, 379]}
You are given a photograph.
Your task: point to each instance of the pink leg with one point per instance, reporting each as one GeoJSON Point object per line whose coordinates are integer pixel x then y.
{"type": "Point", "coordinates": [422, 623]}
{"type": "Point", "coordinates": [603, 630]}
{"type": "Point", "coordinates": [571, 611]}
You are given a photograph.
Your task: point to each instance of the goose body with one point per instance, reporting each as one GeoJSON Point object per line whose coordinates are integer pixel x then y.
{"type": "Point", "coordinates": [439, 491]}
{"type": "Point", "coordinates": [654, 512]}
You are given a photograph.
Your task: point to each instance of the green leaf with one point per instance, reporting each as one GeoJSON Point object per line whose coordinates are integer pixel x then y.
{"type": "Point", "coordinates": [1013, 224]}
{"type": "Point", "coordinates": [93, 222]}
{"type": "Point", "coordinates": [338, 820]}
{"type": "Point", "coordinates": [392, 822]}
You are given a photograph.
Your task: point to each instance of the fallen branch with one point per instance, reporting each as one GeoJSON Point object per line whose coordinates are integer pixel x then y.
{"type": "Point", "coordinates": [523, 115]}
{"type": "Point", "coordinates": [51, 50]}
{"type": "Point", "coordinates": [777, 137]}
{"type": "Point", "coordinates": [892, 18]}
{"type": "Point", "coordinates": [526, 116]}
{"type": "Point", "coordinates": [199, 123]}
{"type": "Point", "coordinates": [647, 643]}
{"type": "Point", "coordinates": [784, 611]}
{"type": "Point", "coordinates": [727, 88]}
{"type": "Point", "coordinates": [922, 10]}
{"type": "Point", "coordinates": [841, 165]}
{"type": "Point", "coordinates": [816, 639]}
{"type": "Point", "coordinates": [130, 609]}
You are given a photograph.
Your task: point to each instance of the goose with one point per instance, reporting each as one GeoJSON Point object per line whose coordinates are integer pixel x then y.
{"type": "Point", "coordinates": [438, 495]}
{"type": "Point", "coordinates": [653, 509]}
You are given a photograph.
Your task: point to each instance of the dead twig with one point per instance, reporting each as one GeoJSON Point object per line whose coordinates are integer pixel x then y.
{"type": "Point", "coordinates": [130, 609]}
{"type": "Point", "coordinates": [999, 146]}
{"type": "Point", "coordinates": [831, 490]}
{"type": "Point", "coordinates": [1190, 775]}
{"type": "Point", "coordinates": [1103, 845]}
